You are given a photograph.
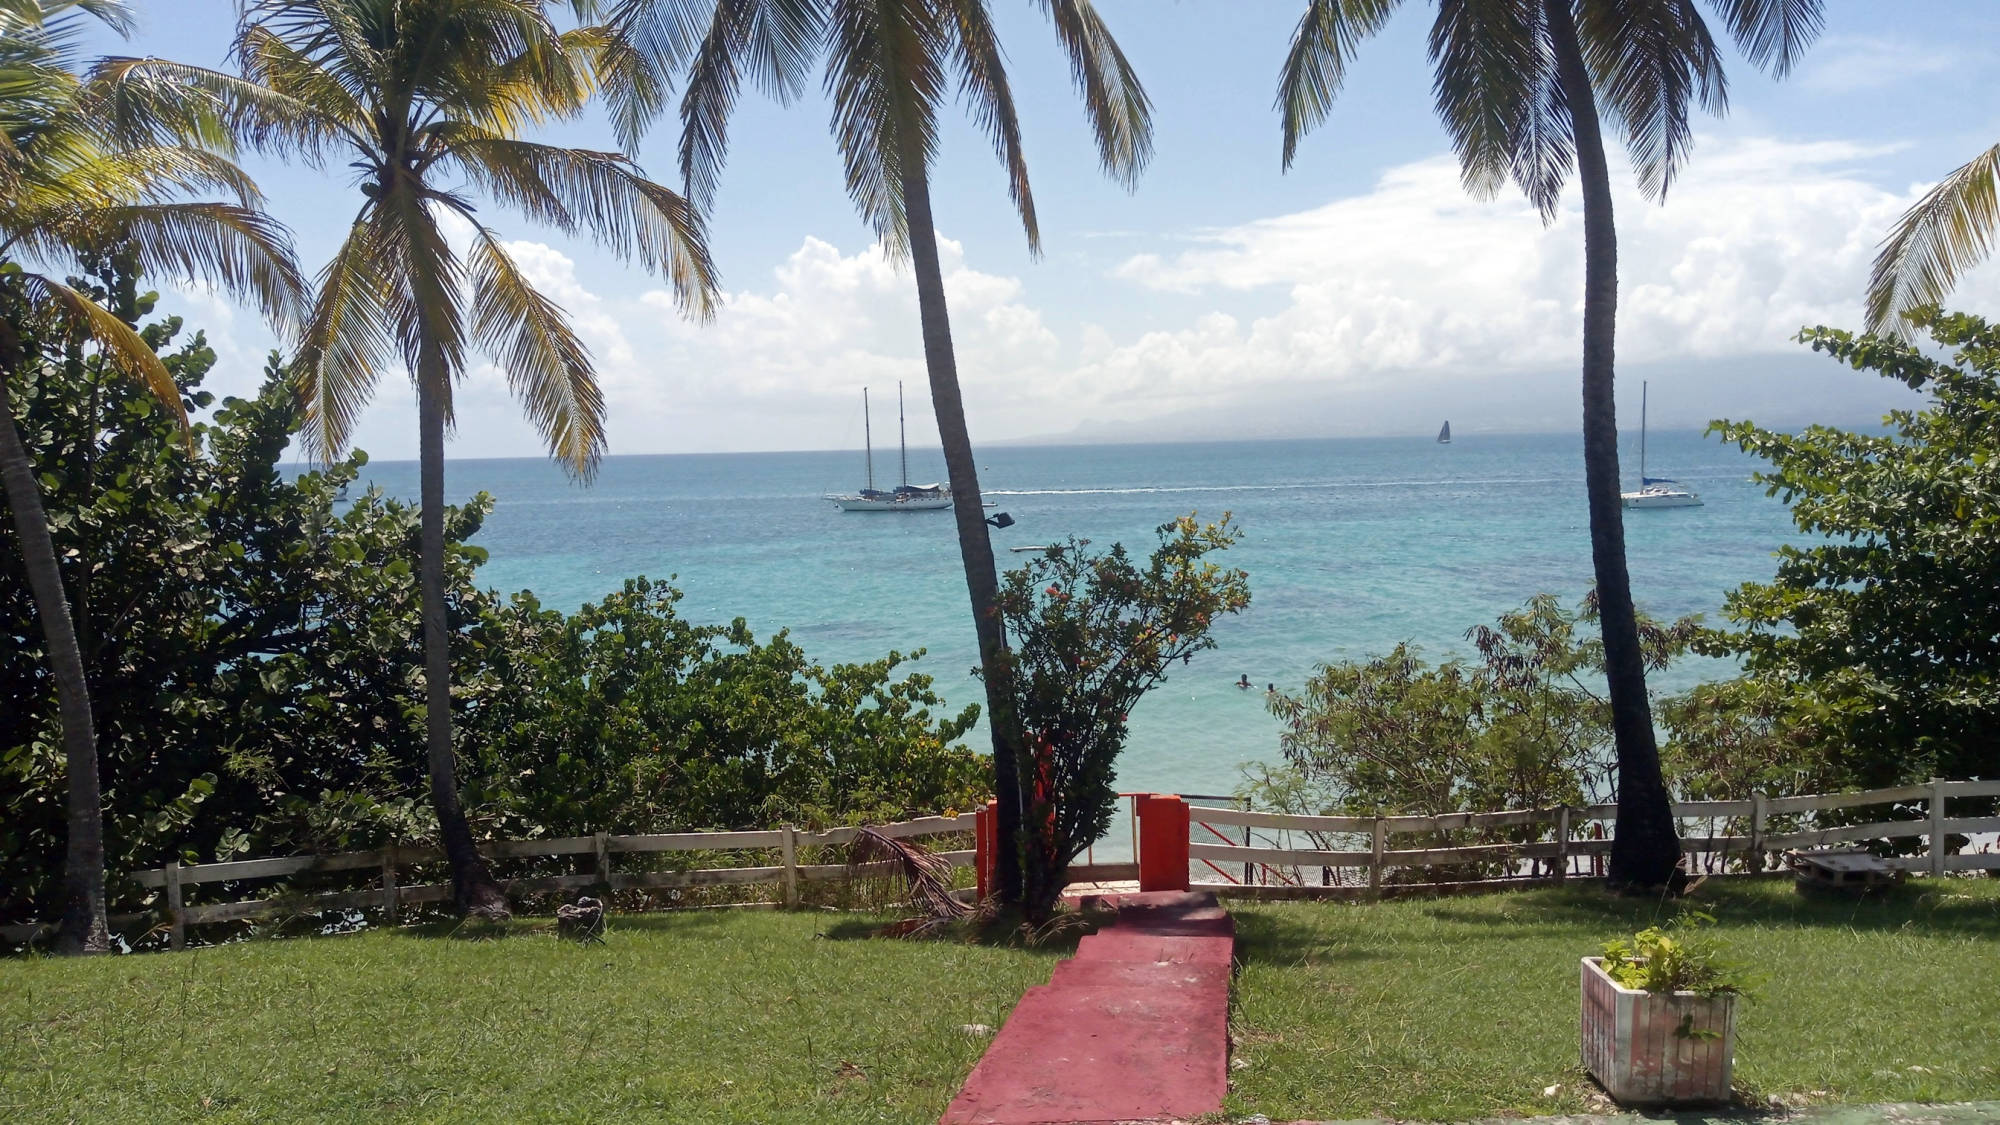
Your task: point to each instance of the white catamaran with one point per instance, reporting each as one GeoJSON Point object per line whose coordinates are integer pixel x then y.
{"type": "Point", "coordinates": [1655, 492]}
{"type": "Point", "coordinates": [906, 497]}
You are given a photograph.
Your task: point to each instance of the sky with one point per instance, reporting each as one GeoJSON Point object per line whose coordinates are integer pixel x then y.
{"type": "Point", "coordinates": [1360, 293]}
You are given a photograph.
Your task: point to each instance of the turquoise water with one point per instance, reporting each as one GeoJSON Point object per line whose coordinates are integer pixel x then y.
{"type": "Point", "coordinates": [1351, 546]}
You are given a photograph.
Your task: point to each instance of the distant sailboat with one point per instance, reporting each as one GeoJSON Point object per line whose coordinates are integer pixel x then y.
{"type": "Point", "coordinates": [907, 497]}
{"type": "Point", "coordinates": [1655, 492]}
{"type": "Point", "coordinates": [1444, 435]}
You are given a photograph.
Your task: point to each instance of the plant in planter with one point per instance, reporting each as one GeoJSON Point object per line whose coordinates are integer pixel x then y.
{"type": "Point", "coordinates": [1659, 1015]}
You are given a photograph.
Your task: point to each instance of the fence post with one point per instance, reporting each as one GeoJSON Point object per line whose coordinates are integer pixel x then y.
{"type": "Point", "coordinates": [1375, 856]}
{"type": "Point", "coordinates": [1937, 825]}
{"type": "Point", "coordinates": [1562, 842]}
{"type": "Point", "coordinates": [389, 891]}
{"type": "Point", "coordinates": [177, 927]}
{"type": "Point", "coordinates": [1249, 869]}
{"type": "Point", "coordinates": [1758, 811]}
{"type": "Point", "coordinates": [604, 859]}
{"type": "Point", "coordinates": [791, 849]}
{"type": "Point", "coordinates": [1163, 843]}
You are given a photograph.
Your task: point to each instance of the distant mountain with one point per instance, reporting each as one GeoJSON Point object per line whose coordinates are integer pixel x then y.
{"type": "Point", "coordinates": [1786, 392]}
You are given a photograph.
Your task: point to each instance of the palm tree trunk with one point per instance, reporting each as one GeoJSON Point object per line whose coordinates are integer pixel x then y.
{"type": "Point", "coordinates": [472, 887]}
{"type": "Point", "coordinates": [981, 580]}
{"type": "Point", "coordinates": [1646, 850]}
{"type": "Point", "coordinates": [84, 928]}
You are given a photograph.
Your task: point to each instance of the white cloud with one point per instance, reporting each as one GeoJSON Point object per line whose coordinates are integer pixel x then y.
{"type": "Point", "coordinates": [1353, 316]}
{"type": "Point", "coordinates": [1758, 238]}
{"type": "Point", "coordinates": [1847, 64]}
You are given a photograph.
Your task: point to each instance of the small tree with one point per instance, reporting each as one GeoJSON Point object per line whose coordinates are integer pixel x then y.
{"type": "Point", "coordinates": [1890, 624]}
{"type": "Point", "coordinates": [1091, 634]}
{"type": "Point", "coordinates": [1522, 727]}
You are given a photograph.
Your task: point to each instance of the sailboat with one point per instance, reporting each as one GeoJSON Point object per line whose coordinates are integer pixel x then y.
{"type": "Point", "coordinates": [1444, 435]}
{"type": "Point", "coordinates": [1655, 492]}
{"type": "Point", "coordinates": [906, 497]}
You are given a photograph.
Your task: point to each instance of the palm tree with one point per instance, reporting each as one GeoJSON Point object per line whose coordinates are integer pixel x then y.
{"type": "Point", "coordinates": [426, 100]}
{"type": "Point", "coordinates": [1518, 85]}
{"type": "Point", "coordinates": [1948, 231]}
{"type": "Point", "coordinates": [71, 186]}
{"type": "Point", "coordinates": [889, 64]}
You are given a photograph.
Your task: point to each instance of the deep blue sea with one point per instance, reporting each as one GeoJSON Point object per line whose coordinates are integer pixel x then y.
{"type": "Point", "coordinates": [1351, 546]}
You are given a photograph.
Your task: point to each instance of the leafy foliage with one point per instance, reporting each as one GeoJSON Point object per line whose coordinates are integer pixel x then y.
{"type": "Point", "coordinates": [251, 637]}
{"type": "Point", "coordinates": [1091, 634]}
{"type": "Point", "coordinates": [1681, 956]}
{"type": "Point", "coordinates": [623, 717]}
{"type": "Point", "coordinates": [1889, 631]}
{"type": "Point", "coordinates": [1522, 728]}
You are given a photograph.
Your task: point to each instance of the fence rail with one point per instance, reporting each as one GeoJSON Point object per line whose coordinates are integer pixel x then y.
{"type": "Point", "coordinates": [1566, 837]}
{"type": "Point", "coordinates": [390, 894]}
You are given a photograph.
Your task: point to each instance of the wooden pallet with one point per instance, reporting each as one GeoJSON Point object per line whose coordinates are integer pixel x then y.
{"type": "Point", "coordinates": [1843, 869]}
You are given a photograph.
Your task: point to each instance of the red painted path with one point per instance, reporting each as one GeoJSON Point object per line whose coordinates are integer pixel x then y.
{"type": "Point", "coordinates": [1135, 1027]}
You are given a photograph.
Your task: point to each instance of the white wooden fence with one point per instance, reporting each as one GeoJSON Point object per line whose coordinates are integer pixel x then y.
{"type": "Point", "coordinates": [391, 894]}
{"type": "Point", "coordinates": [1283, 871]}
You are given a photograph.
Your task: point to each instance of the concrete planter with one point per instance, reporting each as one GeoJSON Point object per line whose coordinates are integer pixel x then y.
{"type": "Point", "coordinates": [1652, 1048]}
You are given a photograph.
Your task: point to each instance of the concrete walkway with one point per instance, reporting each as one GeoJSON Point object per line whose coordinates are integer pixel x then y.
{"type": "Point", "coordinates": [1135, 1027]}
{"type": "Point", "coordinates": [1961, 1113]}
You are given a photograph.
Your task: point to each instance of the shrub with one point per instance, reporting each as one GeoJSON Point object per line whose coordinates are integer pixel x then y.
{"type": "Point", "coordinates": [1090, 634]}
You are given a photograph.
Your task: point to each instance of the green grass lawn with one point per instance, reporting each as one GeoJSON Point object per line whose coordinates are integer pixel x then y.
{"type": "Point", "coordinates": [1435, 1009]}
{"type": "Point", "coordinates": [708, 1016]}
{"type": "Point", "coordinates": [1454, 1008]}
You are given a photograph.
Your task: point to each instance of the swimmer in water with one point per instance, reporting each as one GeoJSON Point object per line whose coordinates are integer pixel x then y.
{"type": "Point", "coordinates": [1245, 681]}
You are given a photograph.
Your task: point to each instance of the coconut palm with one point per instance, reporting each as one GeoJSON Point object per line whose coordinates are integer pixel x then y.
{"type": "Point", "coordinates": [889, 65]}
{"type": "Point", "coordinates": [71, 186]}
{"type": "Point", "coordinates": [1950, 230]}
{"type": "Point", "coordinates": [427, 100]}
{"type": "Point", "coordinates": [1518, 86]}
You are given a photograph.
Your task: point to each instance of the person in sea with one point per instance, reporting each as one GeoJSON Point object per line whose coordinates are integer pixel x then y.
{"type": "Point", "coordinates": [1245, 681]}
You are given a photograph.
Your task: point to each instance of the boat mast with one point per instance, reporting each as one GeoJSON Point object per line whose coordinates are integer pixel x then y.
{"type": "Point", "coordinates": [902, 436]}
{"type": "Point", "coordinates": [868, 439]}
{"type": "Point", "coordinates": [1642, 433]}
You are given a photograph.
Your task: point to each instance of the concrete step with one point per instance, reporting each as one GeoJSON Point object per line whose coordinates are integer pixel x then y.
{"type": "Point", "coordinates": [1117, 944]}
{"type": "Point", "coordinates": [1142, 975]}
{"type": "Point", "coordinates": [1076, 1054]}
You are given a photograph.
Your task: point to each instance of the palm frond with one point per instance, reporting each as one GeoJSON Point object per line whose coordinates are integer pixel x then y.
{"type": "Point", "coordinates": [548, 368]}
{"type": "Point", "coordinates": [153, 100]}
{"type": "Point", "coordinates": [774, 42]}
{"type": "Point", "coordinates": [648, 42]}
{"type": "Point", "coordinates": [1120, 112]}
{"type": "Point", "coordinates": [1648, 60]}
{"type": "Point", "coordinates": [885, 74]}
{"type": "Point", "coordinates": [430, 321]}
{"type": "Point", "coordinates": [118, 15]}
{"type": "Point", "coordinates": [347, 340]}
{"type": "Point", "coordinates": [331, 92]}
{"type": "Point", "coordinates": [1316, 64]}
{"type": "Point", "coordinates": [601, 194]}
{"type": "Point", "coordinates": [1498, 97]}
{"type": "Point", "coordinates": [983, 85]}
{"type": "Point", "coordinates": [155, 173]}
{"type": "Point", "coordinates": [122, 346]}
{"type": "Point", "coordinates": [549, 76]}
{"type": "Point", "coordinates": [1773, 33]}
{"type": "Point", "coordinates": [1950, 230]}
{"type": "Point", "coordinates": [242, 251]}
{"type": "Point", "coordinates": [927, 874]}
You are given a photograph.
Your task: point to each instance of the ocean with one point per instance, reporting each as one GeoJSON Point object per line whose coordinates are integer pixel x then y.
{"type": "Point", "coordinates": [1351, 546]}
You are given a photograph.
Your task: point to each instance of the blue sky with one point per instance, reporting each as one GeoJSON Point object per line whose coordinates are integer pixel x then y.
{"type": "Point", "coordinates": [1360, 293]}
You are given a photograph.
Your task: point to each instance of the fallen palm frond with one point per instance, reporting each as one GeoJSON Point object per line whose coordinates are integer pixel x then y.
{"type": "Point", "coordinates": [927, 875]}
